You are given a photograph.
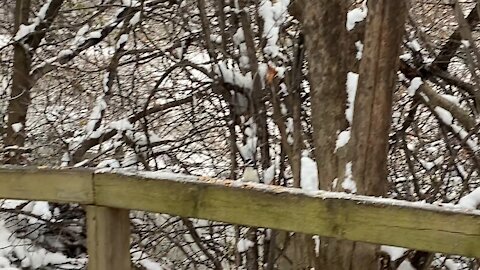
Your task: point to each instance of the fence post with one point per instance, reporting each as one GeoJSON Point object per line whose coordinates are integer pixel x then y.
{"type": "Point", "coordinates": [108, 238]}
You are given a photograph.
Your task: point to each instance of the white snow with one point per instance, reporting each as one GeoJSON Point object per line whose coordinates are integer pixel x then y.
{"type": "Point", "coordinates": [444, 115]}
{"type": "Point", "coordinates": [471, 142]}
{"type": "Point", "coordinates": [471, 200]}
{"type": "Point", "coordinates": [244, 244]}
{"type": "Point", "coordinates": [269, 174]}
{"type": "Point", "coordinates": [17, 127]}
{"type": "Point", "coordinates": [95, 34]}
{"type": "Point", "coordinates": [414, 85]}
{"type": "Point", "coordinates": [130, 3]}
{"type": "Point", "coordinates": [108, 163]}
{"type": "Point", "coordinates": [356, 15]}
{"type": "Point", "coordinates": [406, 56]}
{"type": "Point", "coordinates": [100, 106]}
{"type": "Point", "coordinates": [247, 150]}
{"type": "Point", "coordinates": [453, 99]}
{"type": "Point", "coordinates": [414, 45]}
{"type": "Point", "coordinates": [308, 173]}
{"type": "Point", "coordinates": [82, 31]}
{"type": "Point", "coordinates": [239, 36]}
{"type": "Point", "coordinates": [43, 10]}
{"type": "Point", "coordinates": [135, 19]}
{"type": "Point", "coordinates": [41, 208]}
{"type": "Point", "coordinates": [150, 265]}
{"type": "Point", "coordinates": [349, 184]}
{"type": "Point", "coordinates": [465, 43]}
{"type": "Point", "coordinates": [121, 40]}
{"type": "Point", "coordinates": [352, 82]}
{"type": "Point", "coordinates": [394, 252]}
{"type": "Point", "coordinates": [274, 14]}
{"type": "Point", "coordinates": [359, 46]}
{"type": "Point", "coordinates": [24, 30]}
{"type": "Point", "coordinates": [31, 257]}
{"type": "Point", "coordinates": [406, 265]}
{"type": "Point", "coordinates": [342, 139]}
{"type": "Point", "coordinates": [233, 76]}
{"type": "Point", "coordinates": [428, 165]}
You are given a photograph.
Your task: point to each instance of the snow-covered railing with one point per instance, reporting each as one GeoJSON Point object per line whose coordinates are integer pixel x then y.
{"type": "Point", "coordinates": [108, 197]}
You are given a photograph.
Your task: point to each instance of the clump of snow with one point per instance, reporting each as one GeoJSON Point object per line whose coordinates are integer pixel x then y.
{"type": "Point", "coordinates": [394, 252]}
{"type": "Point", "coordinates": [17, 127]}
{"type": "Point", "coordinates": [359, 46]}
{"type": "Point", "coordinates": [247, 150]}
{"type": "Point", "coordinates": [471, 142]}
{"type": "Point", "coordinates": [130, 3]}
{"type": "Point", "coordinates": [239, 36]}
{"type": "Point", "coordinates": [342, 139]}
{"type": "Point", "coordinates": [453, 99]}
{"type": "Point", "coordinates": [406, 56]}
{"type": "Point", "coordinates": [414, 85]}
{"type": "Point", "coordinates": [356, 15]}
{"type": "Point", "coordinates": [466, 43]}
{"type": "Point", "coordinates": [95, 34]}
{"type": "Point", "coordinates": [108, 163]}
{"type": "Point", "coordinates": [65, 159]}
{"type": "Point", "coordinates": [233, 76]}
{"type": "Point", "coordinates": [414, 45]}
{"type": "Point", "coordinates": [150, 265]}
{"type": "Point", "coordinates": [244, 244]}
{"type": "Point", "coordinates": [348, 183]}
{"type": "Point", "coordinates": [31, 257]}
{"type": "Point", "coordinates": [41, 208]}
{"type": "Point", "coordinates": [121, 125]}
{"type": "Point", "coordinates": [269, 174]}
{"type": "Point", "coordinates": [444, 115]}
{"type": "Point", "coordinates": [352, 82]}
{"type": "Point", "coordinates": [406, 265]}
{"type": "Point", "coordinates": [80, 35]}
{"type": "Point", "coordinates": [471, 200]}
{"type": "Point", "coordinates": [121, 41]}
{"type": "Point", "coordinates": [274, 14]}
{"type": "Point", "coordinates": [428, 165]}
{"type": "Point", "coordinates": [96, 115]}
{"type": "Point", "coordinates": [308, 173]}
{"type": "Point", "coordinates": [135, 19]}
{"type": "Point", "coordinates": [25, 30]}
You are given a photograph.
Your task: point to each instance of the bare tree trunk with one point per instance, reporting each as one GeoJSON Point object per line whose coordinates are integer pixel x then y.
{"type": "Point", "coordinates": [373, 103]}
{"type": "Point", "coordinates": [20, 94]}
{"type": "Point", "coordinates": [327, 48]}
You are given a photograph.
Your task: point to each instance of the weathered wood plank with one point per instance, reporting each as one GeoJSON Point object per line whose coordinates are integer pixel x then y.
{"type": "Point", "coordinates": [108, 238]}
{"type": "Point", "coordinates": [55, 185]}
{"type": "Point", "coordinates": [358, 218]}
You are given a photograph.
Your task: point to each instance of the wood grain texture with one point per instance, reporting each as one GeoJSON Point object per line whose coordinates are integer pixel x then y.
{"type": "Point", "coordinates": [351, 217]}
{"type": "Point", "coordinates": [54, 185]}
{"type": "Point", "coordinates": [108, 238]}
{"type": "Point", "coordinates": [357, 218]}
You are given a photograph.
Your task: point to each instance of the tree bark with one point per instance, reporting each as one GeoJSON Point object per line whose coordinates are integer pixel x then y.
{"type": "Point", "coordinates": [20, 94]}
{"type": "Point", "coordinates": [326, 38]}
{"type": "Point", "coordinates": [373, 103]}
{"type": "Point", "coordinates": [327, 44]}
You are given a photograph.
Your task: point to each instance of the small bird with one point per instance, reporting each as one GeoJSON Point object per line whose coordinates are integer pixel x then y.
{"type": "Point", "coordinates": [250, 174]}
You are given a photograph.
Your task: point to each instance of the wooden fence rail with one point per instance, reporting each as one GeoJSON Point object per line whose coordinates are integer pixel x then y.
{"type": "Point", "coordinates": [108, 198]}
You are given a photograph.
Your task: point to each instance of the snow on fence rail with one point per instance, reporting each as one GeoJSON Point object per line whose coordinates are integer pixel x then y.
{"type": "Point", "coordinates": [109, 196]}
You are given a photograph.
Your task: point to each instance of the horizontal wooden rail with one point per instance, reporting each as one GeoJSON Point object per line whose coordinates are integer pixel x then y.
{"type": "Point", "coordinates": [384, 221]}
